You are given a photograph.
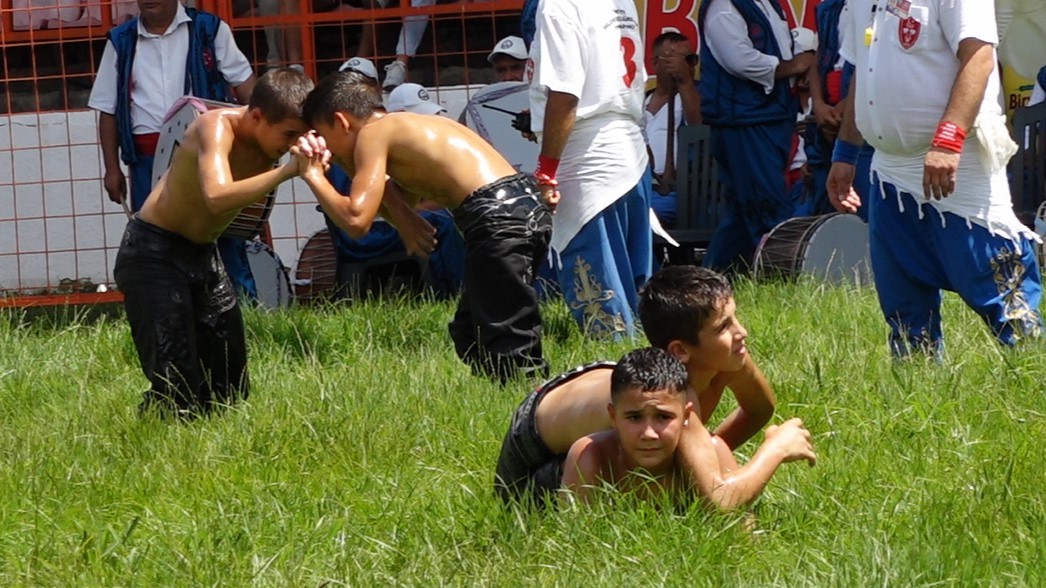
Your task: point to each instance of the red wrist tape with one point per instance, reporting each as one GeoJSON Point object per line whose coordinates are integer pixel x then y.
{"type": "Point", "coordinates": [545, 180]}
{"type": "Point", "coordinates": [949, 136]}
{"type": "Point", "coordinates": [547, 167]}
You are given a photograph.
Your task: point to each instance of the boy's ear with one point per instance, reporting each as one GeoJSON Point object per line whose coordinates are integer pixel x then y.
{"type": "Point", "coordinates": [688, 411]}
{"type": "Point", "coordinates": [342, 122]}
{"type": "Point", "coordinates": [676, 349]}
{"type": "Point", "coordinates": [256, 115]}
{"type": "Point", "coordinates": [612, 413]}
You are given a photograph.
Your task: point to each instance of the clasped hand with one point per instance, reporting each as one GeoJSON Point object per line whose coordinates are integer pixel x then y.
{"type": "Point", "coordinates": [312, 154]}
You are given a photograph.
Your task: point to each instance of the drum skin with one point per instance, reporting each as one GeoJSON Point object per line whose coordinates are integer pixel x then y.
{"type": "Point", "coordinates": [270, 277]}
{"type": "Point", "coordinates": [831, 247]}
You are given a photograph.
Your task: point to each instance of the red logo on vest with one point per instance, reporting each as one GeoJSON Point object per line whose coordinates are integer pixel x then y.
{"type": "Point", "coordinates": [908, 30]}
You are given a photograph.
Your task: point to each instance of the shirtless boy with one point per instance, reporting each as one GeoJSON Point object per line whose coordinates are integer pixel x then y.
{"type": "Point", "coordinates": [690, 312]}
{"type": "Point", "coordinates": [184, 316]}
{"type": "Point", "coordinates": [497, 326]}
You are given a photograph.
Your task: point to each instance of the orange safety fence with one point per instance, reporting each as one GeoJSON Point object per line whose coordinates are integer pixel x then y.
{"type": "Point", "coordinates": [58, 230]}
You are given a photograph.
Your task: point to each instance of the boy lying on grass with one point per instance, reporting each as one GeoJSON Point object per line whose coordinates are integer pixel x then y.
{"type": "Point", "coordinates": [690, 313]}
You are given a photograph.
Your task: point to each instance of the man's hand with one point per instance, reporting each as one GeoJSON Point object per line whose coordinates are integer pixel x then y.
{"type": "Point", "coordinates": [675, 65]}
{"type": "Point", "coordinates": [841, 193]}
{"type": "Point", "coordinates": [828, 119]}
{"type": "Point", "coordinates": [115, 185]}
{"type": "Point", "coordinates": [550, 195]}
{"type": "Point", "coordinates": [939, 170]}
{"type": "Point", "coordinates": [792, 441]}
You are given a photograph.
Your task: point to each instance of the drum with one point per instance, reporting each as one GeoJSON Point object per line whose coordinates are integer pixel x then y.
{"type": "Point", "coordinates": [250, 222]}
{"type": "Point", "coordinates": [486, 114]}
{"type": "Point", "coordinates": [315, 273]}
{"type": "Point", "coordinates": [831, 247]}
{"type": "Point", "coordinates": [274, 288]}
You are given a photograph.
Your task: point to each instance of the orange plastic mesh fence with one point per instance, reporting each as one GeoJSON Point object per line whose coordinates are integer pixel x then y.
{"type": "Point", "coordinates": [58, 230]}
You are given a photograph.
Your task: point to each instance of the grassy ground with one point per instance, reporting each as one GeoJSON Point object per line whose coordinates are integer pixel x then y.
{"type": "Point", "coordinates": [365, 456]}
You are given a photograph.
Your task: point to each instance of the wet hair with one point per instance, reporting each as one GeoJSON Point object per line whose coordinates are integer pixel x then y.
{"type": "Point", "coordinates": [669, 37]}
{"type": "Point", "coordinates": [648, 369]}
{"type": "Point", "coordinates": [280, 94]}
{"type": "Point", "coordinates": [678, 301]}
{"type": "Point", "coordinates": [348, 91]}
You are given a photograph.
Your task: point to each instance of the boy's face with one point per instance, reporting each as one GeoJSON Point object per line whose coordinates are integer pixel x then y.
{"type": "Point", "coordinates": [720, 343]}
{"type": "Point", "coordinates": [649, 424]}
{"type": "Point", "coordinates": [276, 139]}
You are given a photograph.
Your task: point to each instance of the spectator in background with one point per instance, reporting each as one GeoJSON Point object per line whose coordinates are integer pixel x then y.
{"type": "Point", "coordinates": [445, 268]}
{"type": "Point", "coordinates": [674, 62]}
{"type": "Point", "coordinates": [828, 88]}
{"type": "Point", "coordinates": [149, 62]}
{"type": "Point", "coordinates": [509, 59]}
{"type": "Point", "coordinates": [586, 99]}
{"type": "Point", "coordinates": [747, 68]}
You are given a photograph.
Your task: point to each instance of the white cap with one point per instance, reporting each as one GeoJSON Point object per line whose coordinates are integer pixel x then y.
{"type": "Point", "coordinates": [804, 39]}
{"type": "Point", "coordinates": [412, 98]}
{"type": "Point", "coordinates": [511, 46]}
{"type": "Point", "coordinates": [361, 65]}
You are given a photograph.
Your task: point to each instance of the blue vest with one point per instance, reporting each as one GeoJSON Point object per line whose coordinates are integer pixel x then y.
{"type": "Point", "coordinates": [1041, 78]}
{"type": "Point", "coordinates": [828, 13]}
{"type": "Point", "coordinates": [202, 77]}
{"type": "Point", "coordinates": [727, 100]}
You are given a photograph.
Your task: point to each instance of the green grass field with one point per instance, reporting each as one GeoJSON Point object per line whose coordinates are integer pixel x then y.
{"type": "Point", "coordinates": [365, 456]}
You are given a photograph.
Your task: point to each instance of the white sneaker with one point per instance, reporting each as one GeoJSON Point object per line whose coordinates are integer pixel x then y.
{"type": "Point", "coordinates": [395, 74]}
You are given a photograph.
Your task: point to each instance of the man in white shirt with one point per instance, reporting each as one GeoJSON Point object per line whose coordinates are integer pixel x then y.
{"type": "Point", "coordinates": [586, 101]}
{"type": "Point", "coordinates": [941, 216]}
{"type": "Point", "coordinates": [747, 69]}
{"type": "Point", "coordinates": [674, 61]}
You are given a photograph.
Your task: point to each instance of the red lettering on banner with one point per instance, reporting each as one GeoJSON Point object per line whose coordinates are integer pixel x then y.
{"type": "Point", "coordinates": [659, 20]}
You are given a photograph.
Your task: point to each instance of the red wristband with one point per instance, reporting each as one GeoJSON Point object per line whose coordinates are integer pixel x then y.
{"type": "Point", "coordinates": [545, 180]}
{"type": "Point", "coordinates": [949, 136]}
{"type": "Point", "coordinates": [547, 166]}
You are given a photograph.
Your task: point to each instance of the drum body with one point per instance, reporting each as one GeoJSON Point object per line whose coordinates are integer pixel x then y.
{"type": "Point", "coordinates": [250, 222]}
{"type": "Point", "coordinates": [316, 270]}
{"type": "Point", "coordinates": [496, 126]}
{"type": "Point", "coordinates": [831, 247]}
{"type": "Point", "coordinates": [274, 288]}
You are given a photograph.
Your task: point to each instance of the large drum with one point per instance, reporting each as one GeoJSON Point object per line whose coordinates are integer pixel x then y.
{"type": "Point", "coordinates": [315, 274]}
{"type": "Point", "coordinates": [832, 247]}
{"type": "Point", "coordinates": [270, 277]}
{"type": "Point", "coordinates": [250, 222]}
{"type": "Point", "coordinates": [490, 113]}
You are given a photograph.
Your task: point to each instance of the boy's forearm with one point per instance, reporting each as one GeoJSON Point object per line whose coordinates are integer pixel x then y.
{"type": "Point", "coordinates": [239, 194]}
{"type": "Point", "coordinates": [338, 207]}
{"type": "Point", "coordinates": [741, 425]}
{"type": "Point", "coordinates": [742, 486]}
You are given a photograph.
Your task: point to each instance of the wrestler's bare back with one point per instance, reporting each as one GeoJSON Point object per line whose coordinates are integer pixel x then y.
{"type": "Point", "coordinates": [180, 202]}
{"type": "Point", "coordinates": [430, 157]}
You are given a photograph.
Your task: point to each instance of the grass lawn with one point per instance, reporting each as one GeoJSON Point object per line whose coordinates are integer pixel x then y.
{"type": "Point", "coordinates": [365, 457]}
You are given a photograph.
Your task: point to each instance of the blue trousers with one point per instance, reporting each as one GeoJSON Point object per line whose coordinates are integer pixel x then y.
{"type": "Point", "coordinates": [141, 175]}
{"type": "Point", "coordinates": [606, 263]}
{"type": "Point", "coordinates": [915, 258]}
{"type": "Point", "coordinates": [751, 161]}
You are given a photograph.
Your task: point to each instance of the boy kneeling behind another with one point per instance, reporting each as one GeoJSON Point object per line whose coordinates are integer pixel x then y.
{"type": "Point", "coordinates": [690, 313]}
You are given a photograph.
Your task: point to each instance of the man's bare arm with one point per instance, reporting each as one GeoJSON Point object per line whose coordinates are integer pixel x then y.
{"type": "Point", "coordinates": [841, 194]}
{"type": "Point", "coordinates": [243, 91]}
{"type": "Point", "coordinates": [976, 63]}
{"type": "Point", "coordinates": [560, 115]}
{"type": "Point", "coordinates": [109, 136]}
{"type": "Point", "coordinates": [221, 192]}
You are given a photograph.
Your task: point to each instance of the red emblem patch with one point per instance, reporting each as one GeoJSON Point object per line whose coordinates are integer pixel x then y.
{"type": "Point", "coordinates": [908, 31]}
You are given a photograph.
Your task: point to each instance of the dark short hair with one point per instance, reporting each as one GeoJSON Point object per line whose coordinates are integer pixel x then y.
{"type": "Point", "coordinates": [648, 369]}
{"type": "Point", "coordinates": [280, 94]}
{"type": "Point", "coordinates": [345, 91]}
{"type": "Point", "coordinates": [677, 302]}
{"type": "Point", "coordinates": [669, 37]}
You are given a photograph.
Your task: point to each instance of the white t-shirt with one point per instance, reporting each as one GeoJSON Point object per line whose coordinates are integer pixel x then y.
{"type": "Point", "coordinates": [655, 127]}
{"type": "Point", "coordinates": [904, 81]}
{"type": "Point", "coordinates": [159, 72]}
{"type": "Point", "coordinates": [592, 50]}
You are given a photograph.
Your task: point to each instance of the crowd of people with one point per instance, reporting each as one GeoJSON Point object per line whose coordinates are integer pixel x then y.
{"type": "Point", "coordinates": [605, 154]}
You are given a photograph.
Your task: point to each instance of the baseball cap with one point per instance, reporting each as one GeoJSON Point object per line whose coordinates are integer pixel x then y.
{"type": "Point", "coordinates": [361, 65]}
{"type": "Point", "coordinates": [511, 46]}
{"type": "Point", "coordinates": [804, 39]}
{"type": "Point", "coordinates": [412, 98]}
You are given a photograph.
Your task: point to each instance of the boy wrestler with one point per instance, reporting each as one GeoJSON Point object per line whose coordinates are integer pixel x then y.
{"type": "Point", "coordinates": [506, 227]}
{"type": "Point", "coordinates": [689, 312]}
{"type": "Point", "coordinates": [183, 312]}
